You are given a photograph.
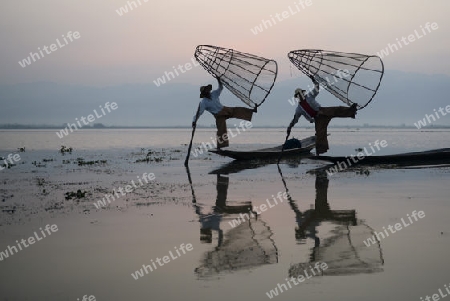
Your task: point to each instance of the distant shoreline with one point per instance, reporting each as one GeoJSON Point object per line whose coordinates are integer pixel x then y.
{"type": "Point", "coordinates": [58, 127]}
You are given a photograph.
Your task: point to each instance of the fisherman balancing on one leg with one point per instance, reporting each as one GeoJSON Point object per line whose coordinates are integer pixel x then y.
{"type": "Point", "coordinates": [309, 108]}
{"type": "Point", "coordinates": [211, 103]}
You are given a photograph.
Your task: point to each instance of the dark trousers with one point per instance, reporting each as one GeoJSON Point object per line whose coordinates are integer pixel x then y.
{"type": "Point", "coordinates": [322, 120]}
{"type": "Point", "coordinates": [221, 118]}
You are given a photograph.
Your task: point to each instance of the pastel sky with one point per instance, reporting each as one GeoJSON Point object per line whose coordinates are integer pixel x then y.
{"type": "Point", "coordinates": [141, 45]}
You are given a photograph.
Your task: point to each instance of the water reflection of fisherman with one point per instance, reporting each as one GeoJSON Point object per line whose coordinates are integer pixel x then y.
{"type": "Point", "coordinates": [245, 246]}
{"type": "Point", "coordinates": [211, 222]}
{"type": "Point", "coordinates": [344, 252]}
{"type": "Point", "coordinates": [309, 220]}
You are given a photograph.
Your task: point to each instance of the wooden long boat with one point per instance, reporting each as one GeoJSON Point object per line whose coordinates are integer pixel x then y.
{"type": "Point", "coordinates": [307, 145]}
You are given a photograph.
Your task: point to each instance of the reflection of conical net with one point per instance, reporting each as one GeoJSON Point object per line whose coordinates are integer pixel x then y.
{"type": "Point", "coordinates": [351, 77]}
{"type": "Point", "coordinates": [245, 246]}
{"type": "Point", "coordinates": [248, 77]}
{"type": "Point", "coordinates": [345, 253]}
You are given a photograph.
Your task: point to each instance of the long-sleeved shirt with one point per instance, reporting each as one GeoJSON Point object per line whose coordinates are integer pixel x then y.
{"type": "Point", "coordinates": [212, 105]}
{"type": "Point", "coordinates": [311, 100]}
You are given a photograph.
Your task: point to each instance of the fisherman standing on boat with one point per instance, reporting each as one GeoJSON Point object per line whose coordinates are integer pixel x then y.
{"type": "Point", "coordinates": [309, 108]}
{"type": "Point", "coordinates": [211, 103]}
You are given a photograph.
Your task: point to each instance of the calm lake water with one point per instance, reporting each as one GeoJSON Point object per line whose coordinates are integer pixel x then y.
{"type": "Point", "coordinates": [309, 217]}
{"type": "Point", "coordinates": [406, 139]}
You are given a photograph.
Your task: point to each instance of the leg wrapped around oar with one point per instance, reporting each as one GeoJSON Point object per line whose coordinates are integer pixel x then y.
{"type": "Point", "coordinates": [223, 115]}
{"type": "Point", "coordinates": [321, 123]}
{"type": "Point", "coordinates": [236, 112]}
{"type": "Point", "coordinates": [340, 111]}
{"type": "Point", "coordinates": [222, 136]}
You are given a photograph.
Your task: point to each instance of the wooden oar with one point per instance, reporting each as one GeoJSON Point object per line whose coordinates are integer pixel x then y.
{"type": "Point", "coordinates": [282, 148]}
{"type": "Point", "coordinates": [194, 199]}
{"type": "Point", "coordinates": [186, 162]}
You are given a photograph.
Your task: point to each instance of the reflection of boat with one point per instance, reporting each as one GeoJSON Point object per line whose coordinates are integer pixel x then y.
{"type": "Point", "coordinates": [307, 145]}
{"type": "Point", "coordinates": [436, 156]}
{"type": "Point", "coordinates": [237, 166]}
{"type": "Point", "coordinates": [246, 246]}
{"type": "Point", "coordinates": [343, 249]}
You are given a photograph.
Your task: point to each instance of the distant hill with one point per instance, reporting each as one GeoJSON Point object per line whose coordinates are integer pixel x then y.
{"type": "Point", "coordinates": [403, 98]}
